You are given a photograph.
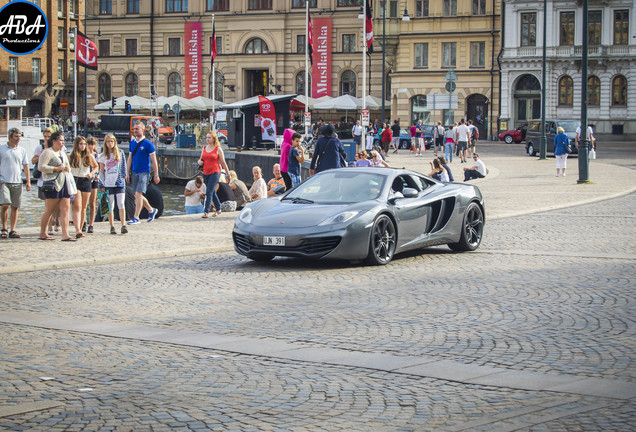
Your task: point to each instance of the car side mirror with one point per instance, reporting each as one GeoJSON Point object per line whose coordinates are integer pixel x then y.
{"type": "Point", "coordinates": [409, 192]}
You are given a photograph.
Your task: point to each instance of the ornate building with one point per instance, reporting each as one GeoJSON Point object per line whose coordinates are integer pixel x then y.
{"type": "Point", "coordinates": [44, 78]}
{"type": "Point", "coordinates": [611, 62]}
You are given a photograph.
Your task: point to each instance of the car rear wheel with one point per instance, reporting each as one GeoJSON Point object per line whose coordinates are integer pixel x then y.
{"type": "Point", "coordinates": [382, 242]}
{"type": "Point", "coordinates": [508, 139]}
{"type": "Point", "coordinates": [472, 229]}
{"type": "Point", "coordinates": [405, 144]}
{"type": "Point", "coordinates": [531, 150]}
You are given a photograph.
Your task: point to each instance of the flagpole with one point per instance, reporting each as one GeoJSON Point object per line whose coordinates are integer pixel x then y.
{"type": "Point", "coordinates": [75, 84]}
{"type": "Point", "coordinates": [364, 70]}
{"type": "Point", "coordinates": [306, 65]}
{"type": "Point", "coordinates": [213, 125]}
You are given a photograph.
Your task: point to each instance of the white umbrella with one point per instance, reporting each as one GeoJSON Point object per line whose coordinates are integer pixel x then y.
{"type": "Point", "coordinates": [344, 102]}
{"type": "Point", "coordinates": [136, 103]}
{"type": "Point", "coordinates": [201, 103]}
{"type": "Point", "coordinates": [377, 101]}
{"type": "Point", "coordinates": [174, 100]}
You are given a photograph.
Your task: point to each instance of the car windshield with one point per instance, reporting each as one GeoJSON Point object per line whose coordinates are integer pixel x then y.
{"type": "Point", "coordinates": [569, 125]}
{"type": "Point", "coordinates": [339, 187]}
{"type": "Point", "coordinates": [429, 130]}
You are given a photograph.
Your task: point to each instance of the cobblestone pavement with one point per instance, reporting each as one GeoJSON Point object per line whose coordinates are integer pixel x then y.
{"type": "Point", "coordinates": [548, 294]}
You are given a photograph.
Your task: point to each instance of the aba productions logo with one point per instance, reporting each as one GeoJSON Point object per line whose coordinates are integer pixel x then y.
{"type": "Point", "coordinates": [23, 27]}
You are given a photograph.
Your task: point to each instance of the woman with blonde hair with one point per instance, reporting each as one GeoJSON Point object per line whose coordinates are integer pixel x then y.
{"type": "Point", "coordinates": [259, 187]}
{"type": "Point", "coordinates": [112, 177]}
{"type": "Point", "coordinates": [91, 144]}
{"type": "Point", "coordinates": [241, 194]}
{"type": "Point", "coordinates": [561, 141]}
{"type": "Point", "coordinates": [211, 161]}
{"type": "Point", "coordinates": [83, 167]}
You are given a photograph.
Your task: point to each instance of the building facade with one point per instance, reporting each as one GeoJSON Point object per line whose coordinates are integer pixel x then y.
{"type": "Point", "coordinates": [611, 62]}
{"type": "Point", "coordinates": [44, 78]}
{"type": "Point", "coordinates": [462, 35]}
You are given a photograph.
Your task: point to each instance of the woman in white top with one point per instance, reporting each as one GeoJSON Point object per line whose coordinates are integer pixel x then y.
{"type": "Point", "coordinates": [112, 178]}
{"type": "Point", "coordinates": [83, 167]}
{"type": "Point", "coordinates": [259, 187]}
{"type": "Point", "coordinates": [438, 172]}
{"type": "Point", "coordinates": [54, 165]}
{"type": "Point", "coordinates": [55, 218]}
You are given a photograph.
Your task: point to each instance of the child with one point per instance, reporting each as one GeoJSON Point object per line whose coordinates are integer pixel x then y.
{"type": "Point", "coordinates": [296, 159]}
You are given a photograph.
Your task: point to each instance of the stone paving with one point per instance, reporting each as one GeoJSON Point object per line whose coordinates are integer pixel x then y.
{"type": "Point", "coordinates": [534, 331]}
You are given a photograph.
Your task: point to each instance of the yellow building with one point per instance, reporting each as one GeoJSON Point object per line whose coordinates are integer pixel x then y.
{"type": "Point", "coordinates": [44, 78]}
{"type": "Point", "coordinates": [460, 34]}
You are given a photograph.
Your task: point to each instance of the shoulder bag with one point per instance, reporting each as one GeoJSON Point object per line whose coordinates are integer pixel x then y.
{"type": "Point", "coordinates": [48, 186]}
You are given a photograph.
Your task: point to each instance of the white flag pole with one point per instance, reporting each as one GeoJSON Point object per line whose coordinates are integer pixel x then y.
{"type": "Point", "coordinates": [213, 125]}
{"type": "Point", "coordinates": [306, 64]}
{"type": "Point", "coordinates": [364, 69]}
{"type": "Point", "coordinates": [75, 84]}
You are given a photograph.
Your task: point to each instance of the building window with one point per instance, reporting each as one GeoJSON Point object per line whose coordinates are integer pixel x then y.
{"type": "Point", "coordinates": [300, 44]}
{"type": "Point", "coordinates": [105, 7]}
{"type": "Point", "coordinates": [259, 4]}
{"type": "Point", "coordinates": [104, 48]}
{"type": "Point", "coordinates": [174, 46]}
{"type": "Point", "coordinates": [593, 91]}
{"type": "Point", "coordinates": [479, 7]}
{"type": "Point", "coordinates": [349, 3]}
{"type": "Point", "coordinates": [566, 91]}
{"type": "Point", "coordinates": [421, 8]}
{"type": "Point", "coordinates": [218, 84]}
{"type": "Point", "coordinates": [131, 47]}
{"type": "Point", "coordinates": [449, 50]}
{"type": "Point", "coordinates": [103, 88]}
{"type": "Point", "coordinates": [60, 70]}
{"type": "Point", "coordinates": [421, 55]}
{"type": "Point", "coordinates": [132, 6]}
{"type": "Point", "coordinates": [132, 84]}
{"type": "Point", "coordinates": [594, 27]}
{"type": "Point", "coordinates": [477, 54]}
{"type": "Point", "coordinates": [61, 38]}
{"type": "Point", "coordinates": [566, 37]}
{"type": "Point", "coordinates": [256, 46]}
{"type": "Point", "coordinates": [348, 83]}
{"type": "Point", "coordinates": [393, 9]}
{"type": "Point", "coordinates": [217, 5]}
{"type": "Point", "coordinates": [72, 7]}
{"type": "Point", "coordinates": [35, 71]}
{"type": "Point", "coordinates": [621, 27]}
{"type": "Point", "coordinates": [419, 108]}
{"type": "Point", "coordinates": [219, 45]}
{"type": "Point", "coordinates": [176, 5]}
{"type": "Point", "coordinates": [348, 43]}
{"type": "Point", "coordinates": [71, 70]}
{"type": "Point", "coordinates": [450, 7]}
{"type": "Point", "coordinates": [528, 29]}
{"type": "Point", "coordinates": [174, 84]}
{"type": "Point", "coordinates": [301, 3]}
{"type": "Point", "coordinates": [13, 70]}
{"type": "Point", "coordinates": [619, 90]}
{"type": "Point", "coordinates": [300, 83]}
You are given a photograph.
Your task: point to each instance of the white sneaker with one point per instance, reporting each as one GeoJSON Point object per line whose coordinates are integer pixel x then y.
{"type": "Point", "coordinates": [563, 174]}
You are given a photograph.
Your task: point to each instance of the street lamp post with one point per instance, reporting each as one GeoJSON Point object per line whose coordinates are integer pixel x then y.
{"type": "Point", "coordinates": [383, 56]}
{"type": "Point", "coordinates": [584, 166]}
{"type": "Point", "coordinates": [543, 144]}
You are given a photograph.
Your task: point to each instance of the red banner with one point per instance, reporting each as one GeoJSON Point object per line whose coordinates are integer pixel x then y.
{"type": "Point", "coordinates": [192, 38]}
{"type": "Point", "coordinates": [321, 70]}
{"type": "Point", "coordinates": [268, 119]}
{"type": "Point", "coordinates": [86, 52]}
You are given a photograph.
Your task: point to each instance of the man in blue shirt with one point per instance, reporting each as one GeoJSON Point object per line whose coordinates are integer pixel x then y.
{"type": "Point", "coordinates": [329, 152]}
{"type": "Point", "coordinates": [141, 154]}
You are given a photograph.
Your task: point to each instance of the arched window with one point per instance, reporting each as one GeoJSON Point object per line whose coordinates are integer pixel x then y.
{"type": "Point", "coordinates": [256, 46]}
{"type": "Point", "coordinates": [619, 90]}
{"type": "Point", "coordinates": [300, 83]}
{"type": "Point", "coordinates": [528, 82]}
{"type": "Point", "coordinates": [132, 84]}
{"type": "Point", "coordinates": [419, 109]}
{"type": "Point", "coordinates": [566, 91]}
{"type": "Point", "coordinates": [219, 80]}
{"type": "Point", "coordinates": [348, 83]}
{"type": "Point", "coordinates": [593, 91]}
{"type": "Point", "coordinates": [104, 88]}
{"type": "Point", "coordinates": [174, 84]}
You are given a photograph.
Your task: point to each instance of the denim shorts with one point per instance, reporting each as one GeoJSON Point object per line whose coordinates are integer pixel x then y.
{"type": "Point", "coordinates": [139, 182]}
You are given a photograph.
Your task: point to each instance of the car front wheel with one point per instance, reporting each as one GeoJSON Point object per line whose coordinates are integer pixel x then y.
{"type": "Point", "coordinates": [382, 242]}
{"type": "Point", "coordinates": [472, 229]}
{"type": "Point", "coordinates": [531, 150]}
{"type": "Point", "coordinates": [508, 139]}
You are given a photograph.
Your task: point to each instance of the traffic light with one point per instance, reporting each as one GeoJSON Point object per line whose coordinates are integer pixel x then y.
{"type": "Point", "coordinates": [113, 102]}
{"type": "Point", "coordinates": [127, 106]}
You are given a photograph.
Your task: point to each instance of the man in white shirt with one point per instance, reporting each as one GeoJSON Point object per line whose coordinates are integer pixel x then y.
{"type": "Point", "coordinates": [13, 160]}
{"type": "Point", "coordinates": [462, 136]}
{"type": "Point", "coordinates": [357, 135]}
{"type": "Point", "coordinates": [590, 136]}
{"type": "Point", "coordinates": [476, 171]}
{"type": "Point", "coordinates": [194, 193]}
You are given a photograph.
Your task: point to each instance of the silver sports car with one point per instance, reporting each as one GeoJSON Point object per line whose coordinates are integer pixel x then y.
{"type": "Point", "coordinates": [361, 213]}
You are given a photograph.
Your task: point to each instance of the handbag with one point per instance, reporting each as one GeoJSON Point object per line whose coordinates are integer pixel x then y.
{"type": "Point", "coordinates": [35, 172]}
{"type": "Point", "coordinates": [104, 203]}
{"type": "Point", "coordinates": [592, 154]}
{"type": "Point", "coordinates": [568, 148]}
{"type": "Point", "coordinates": [48, 186]}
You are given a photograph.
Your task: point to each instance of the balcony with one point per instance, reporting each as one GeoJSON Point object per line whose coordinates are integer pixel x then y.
{"type": "Point", "coordinates": [595, 52]}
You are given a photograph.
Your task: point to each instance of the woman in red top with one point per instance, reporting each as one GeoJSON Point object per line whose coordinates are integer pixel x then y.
{"type": "Point", "coordinates": [212, 160]}
{"type": "Point", "coordinates": [387, 136]}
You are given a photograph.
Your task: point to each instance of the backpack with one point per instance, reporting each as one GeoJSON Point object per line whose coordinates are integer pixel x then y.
{"type": "Point", "coordinates": [475, 133]}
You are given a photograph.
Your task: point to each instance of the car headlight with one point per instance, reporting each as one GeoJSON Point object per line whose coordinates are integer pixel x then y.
{"type": "Point", "coordinates": [245, 215]}
{"type": "Point", "coordinates": [339, 218]}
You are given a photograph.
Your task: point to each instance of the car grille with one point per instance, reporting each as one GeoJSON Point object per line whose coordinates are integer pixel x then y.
{"type": "Point", "coordinates": [317, 246]}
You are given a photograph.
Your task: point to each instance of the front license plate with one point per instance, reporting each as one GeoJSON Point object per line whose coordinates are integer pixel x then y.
{"type": "Point", "coordinates": [273, 241]}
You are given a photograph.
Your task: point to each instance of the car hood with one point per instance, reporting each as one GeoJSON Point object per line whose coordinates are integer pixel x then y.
{"type": "Point", "coordinates": [270, 213]}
